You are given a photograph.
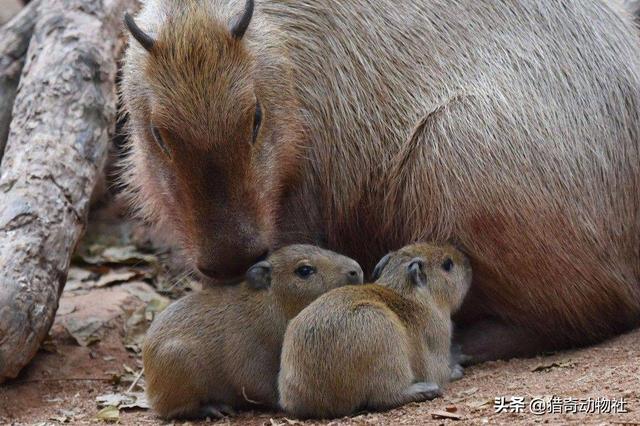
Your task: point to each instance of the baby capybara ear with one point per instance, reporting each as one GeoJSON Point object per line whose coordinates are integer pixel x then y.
{"type": "Point", "coordinates": [259, 275]}
{"type": "Point", "coordinates": [416, 272]}
{"type": "Point", "coordinates": [377, 271]}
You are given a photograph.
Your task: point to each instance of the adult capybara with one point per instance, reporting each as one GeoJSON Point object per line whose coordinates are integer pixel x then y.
{"type": "Point", "coordinates": [509, 128]}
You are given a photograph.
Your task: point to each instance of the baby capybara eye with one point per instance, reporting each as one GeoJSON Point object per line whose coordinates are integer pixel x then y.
{"type": "Point", "coordinates": [447, 265]}
{"type": "Point", "coordinates": [305, 271]}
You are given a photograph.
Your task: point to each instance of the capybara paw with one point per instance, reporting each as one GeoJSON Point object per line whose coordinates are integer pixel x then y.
{"type": "Point", "coordinates": [460, 358]}
{"type": "Point", "coordinates": [214, 411]}
{"type": "Point", "coordinates": [424, 391]}
{"type": "Point", "coordinates": [457, 372]}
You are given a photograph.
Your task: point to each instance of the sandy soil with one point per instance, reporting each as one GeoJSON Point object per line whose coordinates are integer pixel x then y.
{"type": "Point", "coordinates": [62, 384]}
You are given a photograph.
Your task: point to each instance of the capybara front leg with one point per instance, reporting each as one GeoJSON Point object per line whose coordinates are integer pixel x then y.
{"type": "Point", "coordinates": [421, 391]}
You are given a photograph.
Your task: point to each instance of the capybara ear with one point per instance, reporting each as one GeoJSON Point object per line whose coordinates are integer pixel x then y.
{"type": "Point", "coordinates": [143, 38]}
{"type": "Point", "coordinates": [259, 275]}
{"type": "Point", "coordinates": [416, 272]}
{"type": "Point", "coordinates": [240, 26]}
{"type": "Point", "coordinates": [377, 271]}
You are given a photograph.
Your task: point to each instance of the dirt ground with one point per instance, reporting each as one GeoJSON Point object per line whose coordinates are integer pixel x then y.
{"type": "Point", "coordinates": [65, 380]}
{"type": "Point", "coordinates": [118, 283]}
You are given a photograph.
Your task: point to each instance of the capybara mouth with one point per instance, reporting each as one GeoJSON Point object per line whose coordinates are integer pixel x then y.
{"type": "Point", "coordinates": [221, 280]}
{"type": "Point", "coordinates": [229, 276]}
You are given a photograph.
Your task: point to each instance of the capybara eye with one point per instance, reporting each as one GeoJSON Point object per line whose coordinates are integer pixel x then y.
{"type": "Point", "coordinates": [158, 138]}
{"type": "Point", "coordinates": [447, 265]}
{"type": "Point", "coordinates": [257, 121]}
{"type": "Point", "coordinates": [305, 271]}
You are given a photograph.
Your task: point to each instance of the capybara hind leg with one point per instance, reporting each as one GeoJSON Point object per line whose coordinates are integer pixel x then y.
{"type": "Point", "coordinates": [203, 411]}
{"type": "Point", "coordinates": [214, 411]}
{"type": "Point", "coordinates": [490, 340]}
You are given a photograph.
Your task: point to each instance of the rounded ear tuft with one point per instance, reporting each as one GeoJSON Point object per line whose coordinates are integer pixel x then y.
{"type": "Point", "coordinates": [143, 38]}
{"type": "Point", "coordinates": [377, 271]}
{"type": "Point", "coordinates": [259, 275]}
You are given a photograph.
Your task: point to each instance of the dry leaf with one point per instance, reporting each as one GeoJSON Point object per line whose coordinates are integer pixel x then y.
{"type": "Point", "coordinates": [285, 422]}
{"type": "Point", "coordinates": [116, 277]}
{"type": "Point", "coordinates": [85, 330]}
{"type": "Point", "coordinates": [480, 403]}
{"type": "Point", "coordinates": [124, 255]}
{"type": "Point", "coordinates": [109, 414]}
{"type": "Point", "coordinates": [49, 345]}
{"type": "Point", "coordinates": [65, 308]}
{"type": "Point", "coordinates": [64, 416]}
{"type": "Point", "coordinates": [76, 277]}
{"type": "Point", "coordinates": [123, 400]}
{"type": "Point", "coordinates": [439, 415]}
{"type": "Point", "coordinates": [140, 402]}
{"type": "Point", "coordinates": [112, 399]}
{"type": "Point", "coordinates": [138, 323]}
{"type": "Point", "coordinates": [60, 419]}
{"type": "Point", "coordinates": [469, 391]}
{"type": "Point", "coordinates": [567, 363]}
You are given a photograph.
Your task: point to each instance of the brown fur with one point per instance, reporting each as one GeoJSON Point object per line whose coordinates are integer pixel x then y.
{"type": "Point", "coordinates": [511, 128]}
{"type": "Point", "coordinates": [219, 349]}
{"type": "Point", "coordinates": [214, 177]}
{"type": "Point", "coordinates": [377, 346]}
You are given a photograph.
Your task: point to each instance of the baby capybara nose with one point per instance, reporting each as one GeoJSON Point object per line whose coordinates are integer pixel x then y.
{"type": "Point", "coordinates": [355, 275]}
{"type": "Point", "coordinates": [228, 263]}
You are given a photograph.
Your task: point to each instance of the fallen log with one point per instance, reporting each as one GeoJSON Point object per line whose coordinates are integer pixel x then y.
{"type": "Point", "coordinates": [9, 9]}
{"type": "Point", "coordinates": [62, 121]}
{"type": "Point", "coordinates": [14, 40]}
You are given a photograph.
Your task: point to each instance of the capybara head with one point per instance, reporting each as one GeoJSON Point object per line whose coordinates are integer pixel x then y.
{"type": "Point", "coordinates": [441, 272]}
{"type": "Point", "coordinates": [213, 134]}
{"type": "Point", "coordinates": [299, 274]}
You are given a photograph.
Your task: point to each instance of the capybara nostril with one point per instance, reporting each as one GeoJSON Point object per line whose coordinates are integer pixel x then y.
{"type": "Point", "coordinates": [354, 273]}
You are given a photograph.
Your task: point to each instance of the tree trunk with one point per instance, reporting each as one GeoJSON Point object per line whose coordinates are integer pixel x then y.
{"type": "Point", "coordinates": [9, 9]}
{"type": "Point", "coordinates": [62, 121]}
{"type": "Point", "coordinates": [14, 40]}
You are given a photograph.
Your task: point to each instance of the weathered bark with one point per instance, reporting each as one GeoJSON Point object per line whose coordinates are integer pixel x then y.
{"type": "Point", "coordinates": [63, 119]}
{"type": "Point", "coordinates": [9, 9]}
{"type": "Point", "coordinates": [14, 40]}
